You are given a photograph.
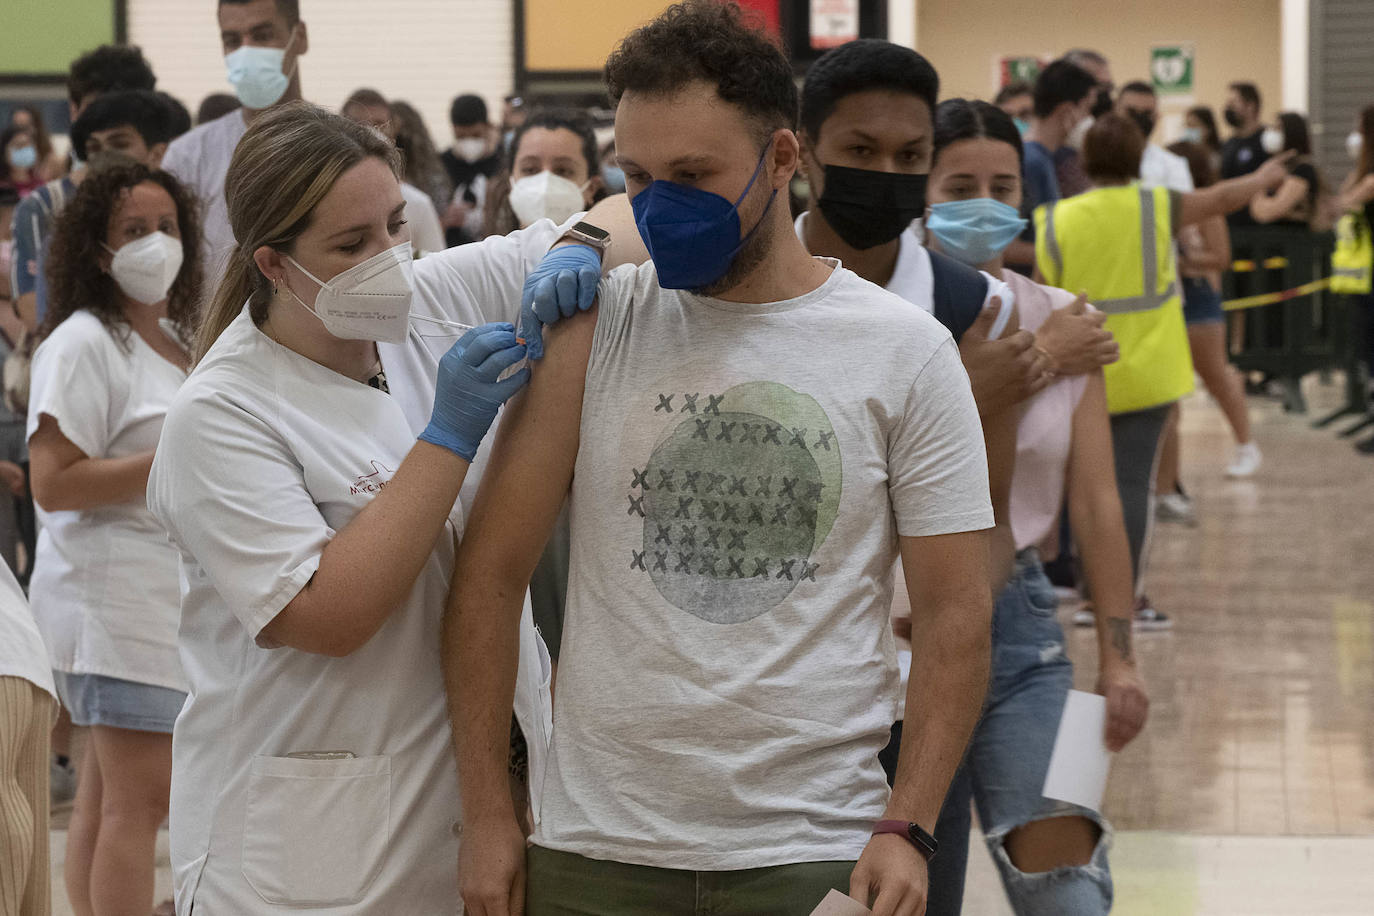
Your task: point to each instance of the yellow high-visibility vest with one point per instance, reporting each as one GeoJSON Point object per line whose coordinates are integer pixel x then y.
{"type": "Point", "coordinates": [1116, 245]}
{"type": "Point", "coordinates": [1353, 259]}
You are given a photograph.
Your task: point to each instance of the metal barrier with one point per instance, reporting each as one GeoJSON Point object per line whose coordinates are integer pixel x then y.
{"type": "Point", "coordinates": [1308, 332]}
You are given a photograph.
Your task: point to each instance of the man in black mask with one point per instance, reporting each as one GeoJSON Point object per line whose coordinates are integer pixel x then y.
{"type": "Point", "coordinates": [1243, 152]}
{"type": "Point", "coordinates": [866, 139]}
{"type": "Point", "coordinates": [1159, 168]}
{"type": "Point", "coordinates": [866, 143]}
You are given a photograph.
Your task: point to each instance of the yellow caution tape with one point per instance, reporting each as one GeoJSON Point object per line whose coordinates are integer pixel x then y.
{"type": "Point", "coordinates": [1250, 302]}
{"type": "Point", "coordinates": [1245, 267]}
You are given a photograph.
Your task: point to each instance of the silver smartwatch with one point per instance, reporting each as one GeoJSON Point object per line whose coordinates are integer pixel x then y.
{"type": "Point", "coordinates": [587, 234]}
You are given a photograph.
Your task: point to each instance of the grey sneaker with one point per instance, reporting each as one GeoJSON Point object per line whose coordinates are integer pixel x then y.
{"type": "Point", "coordinates": [1147, 618]}
{"type": "Point", "coordinates": [1176, 508]}
{"type": "Point", "coordinates": [61, 782]}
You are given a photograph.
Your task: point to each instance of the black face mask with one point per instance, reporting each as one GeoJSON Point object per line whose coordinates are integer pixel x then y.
{"type": "Point", "coordinates": [1103, 103]}
{"type": "Point", "coordinates": [867, 208]}
{"type": "Point", "coordinates": [1233, 117]}
{"type": "Point", "coordinates": [1145, 121]}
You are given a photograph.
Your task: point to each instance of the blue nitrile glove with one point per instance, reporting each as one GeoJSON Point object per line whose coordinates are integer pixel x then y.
{"type": "Point", "coordinates": [563, 284]}
{"type": "Point", "coordinates": [468, 395]}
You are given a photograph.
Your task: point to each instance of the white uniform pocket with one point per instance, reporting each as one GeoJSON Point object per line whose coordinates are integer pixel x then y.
{"type": "Point", "coordinates": [316, 832]}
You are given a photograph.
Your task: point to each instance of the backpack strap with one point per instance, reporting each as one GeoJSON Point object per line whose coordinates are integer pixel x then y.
{"type": "Point", "coordinates": [958, 292]}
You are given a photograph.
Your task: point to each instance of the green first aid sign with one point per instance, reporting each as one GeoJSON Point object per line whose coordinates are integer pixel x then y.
{"type": "Point", "coordinates": [1171, 69]}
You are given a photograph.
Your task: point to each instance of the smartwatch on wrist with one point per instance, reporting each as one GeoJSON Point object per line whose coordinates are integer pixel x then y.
{"type": "Point", "coordinates": [911, 832]}
{"type": "Point", "coordinates": [586, 234]}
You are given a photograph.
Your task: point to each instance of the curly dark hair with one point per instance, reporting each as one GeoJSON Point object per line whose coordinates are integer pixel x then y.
{"type": "Point", "coordinates": [713, 42]}
{"type": "Point", "coordinates": [107, 69]}
{"type": "Point", "coordinates": [75, 279]}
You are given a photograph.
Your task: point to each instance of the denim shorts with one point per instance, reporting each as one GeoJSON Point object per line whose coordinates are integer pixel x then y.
{"type": "Point", "coordinates": [94, 699]}
{"type": "Point", "coordinates": [1201, 303]}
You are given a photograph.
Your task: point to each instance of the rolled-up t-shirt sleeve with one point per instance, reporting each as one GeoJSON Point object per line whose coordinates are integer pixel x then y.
{"type": "Point", "coordinates": [234, 497]}
{"type": "Point", "coordinates": [937, 463]}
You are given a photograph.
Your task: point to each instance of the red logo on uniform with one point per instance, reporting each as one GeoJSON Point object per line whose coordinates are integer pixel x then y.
{"type": "Point", "coordinates": [374, 482]}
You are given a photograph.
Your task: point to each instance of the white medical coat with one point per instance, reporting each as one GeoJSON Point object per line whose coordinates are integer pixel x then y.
{"type": "Point", "coordinates": [266, 455]}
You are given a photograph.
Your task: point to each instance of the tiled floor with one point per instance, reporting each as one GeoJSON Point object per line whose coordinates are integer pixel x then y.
{"type": "Point", "coordinates": [1251, 791]}
{"type": "Point", "coordinates": [1262, 720]}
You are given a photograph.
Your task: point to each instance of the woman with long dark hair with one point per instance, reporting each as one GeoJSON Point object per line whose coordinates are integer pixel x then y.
{"type": "Point", "coordinates": [124, 280]}
{"type": "Point", "coordinates": [1295, 203]}
{"type": "Point", "coordinates": [1063, 450]}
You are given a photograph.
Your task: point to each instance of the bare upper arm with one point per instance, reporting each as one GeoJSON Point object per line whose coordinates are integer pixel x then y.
{"type": "Point", "coordinates": [947, 569]}
{"type": "Point", "coordinates": [532, 459]}
{"type": "Point", "coordinates": [615, 216]}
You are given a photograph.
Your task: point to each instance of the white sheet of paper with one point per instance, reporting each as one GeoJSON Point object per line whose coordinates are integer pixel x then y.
{"type": "Point", "coordinates": [837, 904]}
{"type": "Point", "coordinates": [1080, 762]}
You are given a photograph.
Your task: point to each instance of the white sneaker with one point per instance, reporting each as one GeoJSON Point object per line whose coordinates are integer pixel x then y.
{"type": "Point", "coordinates": [1085, 616]}
{"type": "Point", "coordinates": [1246, 461]}
{"type": "Point", "coordinates": [1177, 508]}
{"type": "Point", "coordinates": [1147, 617]}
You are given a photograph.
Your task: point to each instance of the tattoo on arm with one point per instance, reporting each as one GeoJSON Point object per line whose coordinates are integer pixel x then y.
{"type": "Point", "coordinates": [1120, 632]}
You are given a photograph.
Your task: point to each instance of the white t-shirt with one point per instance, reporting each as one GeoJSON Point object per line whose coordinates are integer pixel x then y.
{"type": "Point", "coordinates": [727, 674]}
{"type": "Point", "coordinates": [267, 455]}
{"type": "Point", "coordinates": [426, 232]}
{"type": "Point", "coordinates": [104, 587]}
{"type": "Point", "coordinates": [200, 159]}
{"type": "Point", "coordinates": [914, 280]}
{"type": "Point", "coordinates": [21, 648]}
{"type": "Point", "coordinates": [1160, 168]}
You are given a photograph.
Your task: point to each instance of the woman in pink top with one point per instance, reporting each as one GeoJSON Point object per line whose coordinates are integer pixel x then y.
{"type": "Point", "coordinates": [1063, 444]}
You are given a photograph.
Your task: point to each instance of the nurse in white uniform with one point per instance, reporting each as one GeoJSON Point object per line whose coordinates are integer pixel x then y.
{"type": "Point", "coordinates": [312, 764]}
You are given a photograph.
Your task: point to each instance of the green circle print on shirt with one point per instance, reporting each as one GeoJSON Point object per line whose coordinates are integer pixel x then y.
{"type": "Point", "coordinates": [740, 492]}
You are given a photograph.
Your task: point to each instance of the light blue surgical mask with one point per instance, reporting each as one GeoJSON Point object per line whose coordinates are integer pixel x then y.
{"type": "Point", "coordinates": [1022, 125]}
{"type": "Point", "coordinates": [257, 76]}
{"type": "Point", "coordinates": [974, 231]}
{"type": "Point", "coordinates": [614, 179]}
{"type": "Point", "coordinates": [1192, 135]}
{"type": "Point", "coordinates": [24, 157]}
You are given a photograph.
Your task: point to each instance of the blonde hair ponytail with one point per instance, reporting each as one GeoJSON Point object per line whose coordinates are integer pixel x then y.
{"type": "Point", "coordinates": [283, 167]}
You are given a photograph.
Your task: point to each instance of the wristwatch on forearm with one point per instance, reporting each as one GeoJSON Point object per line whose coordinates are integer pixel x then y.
{"type": "Point", "coordinates": [911, 832]}
{"type": "Point", "coordinates": [584, 233]}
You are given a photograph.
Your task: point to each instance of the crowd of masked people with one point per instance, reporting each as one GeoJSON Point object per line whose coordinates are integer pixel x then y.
{"type": "Point", "coordinates": [785, 490]}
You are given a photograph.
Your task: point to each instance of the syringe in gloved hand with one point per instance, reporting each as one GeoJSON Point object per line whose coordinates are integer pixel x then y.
{"type": "Point", "coordinates": [458, 329]}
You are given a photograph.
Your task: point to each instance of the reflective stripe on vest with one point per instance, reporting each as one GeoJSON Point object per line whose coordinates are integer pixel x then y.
{"type": "Point", "coordinates": [1149, 255]}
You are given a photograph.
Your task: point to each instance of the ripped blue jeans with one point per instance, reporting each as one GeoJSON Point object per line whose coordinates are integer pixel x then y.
{"type": "Point", "coordinates": [1004, 769]}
